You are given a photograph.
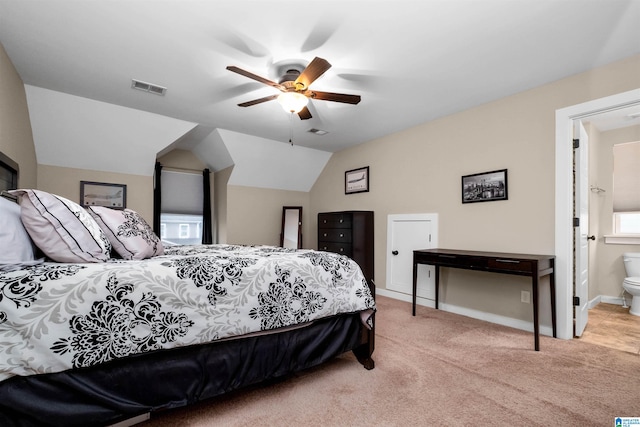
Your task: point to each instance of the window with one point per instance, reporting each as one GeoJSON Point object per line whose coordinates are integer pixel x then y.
{"type": "Point", "coordinates": [626, 222]}
{"type": "Point", "coordinates": [181, 211]}
{"type": "Point", "coordinates": [626, 188]}
{"type": "Point", "coordinates": [179, 228]}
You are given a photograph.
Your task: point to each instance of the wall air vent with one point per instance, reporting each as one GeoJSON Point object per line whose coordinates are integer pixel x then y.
{"type": "Point", "coordinates": [148, 87]}
{"type": "Point", "coordinates": [318, 131]}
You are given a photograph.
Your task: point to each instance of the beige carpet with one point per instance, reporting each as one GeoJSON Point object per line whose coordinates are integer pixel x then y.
{"type": "Point", "coordinates": [440, 369]}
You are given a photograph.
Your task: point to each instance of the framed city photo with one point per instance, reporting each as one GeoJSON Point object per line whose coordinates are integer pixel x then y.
{"type": "Point", "coordinates": [356, 180]}
{"type": "Point", "coordinates": [485, 186]}
{"type": "Point", "coordinates": [103, 194]}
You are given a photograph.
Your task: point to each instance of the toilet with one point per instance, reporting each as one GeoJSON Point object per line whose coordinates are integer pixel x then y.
{"type": "Point", "coordinates": [632, 283]}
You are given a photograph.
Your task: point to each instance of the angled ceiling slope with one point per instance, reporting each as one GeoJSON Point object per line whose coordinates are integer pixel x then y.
{"type": "Point", "coordinates": [75, 132]}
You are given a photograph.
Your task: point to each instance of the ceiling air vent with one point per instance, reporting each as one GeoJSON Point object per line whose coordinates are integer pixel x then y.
{"type": "Point", "coordinates": [148, 87]}
{"type": "Point", "coordinates": [318, 131]}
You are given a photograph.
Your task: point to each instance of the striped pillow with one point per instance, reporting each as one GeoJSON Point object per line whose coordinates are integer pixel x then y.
{"type": "Point", "coordinates": [62, 229]}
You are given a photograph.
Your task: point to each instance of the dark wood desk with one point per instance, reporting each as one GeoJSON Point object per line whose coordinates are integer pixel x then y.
{"type": "Point", "coordinates": [534, 266]}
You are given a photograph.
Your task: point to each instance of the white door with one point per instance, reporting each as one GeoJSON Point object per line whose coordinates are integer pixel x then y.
{"type": "Point", "coordinates": [406, 233]}
{"type": "Point", "coordinates": [581, 272]}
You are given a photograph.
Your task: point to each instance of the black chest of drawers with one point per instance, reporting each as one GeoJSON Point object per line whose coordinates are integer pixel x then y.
{"type": "Point", "coordinates": [348, 233]}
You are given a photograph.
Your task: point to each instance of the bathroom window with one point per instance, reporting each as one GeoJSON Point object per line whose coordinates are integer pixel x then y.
{"type": "Point", "coordinates": [626, 188]}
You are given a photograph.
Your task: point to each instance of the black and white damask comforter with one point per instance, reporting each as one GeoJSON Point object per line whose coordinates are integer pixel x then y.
{"type": "Point", "coordinates": [55, 317]}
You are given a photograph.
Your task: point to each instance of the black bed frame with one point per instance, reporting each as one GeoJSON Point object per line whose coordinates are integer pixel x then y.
{"type": "Point", "coordinates": [127, 388]}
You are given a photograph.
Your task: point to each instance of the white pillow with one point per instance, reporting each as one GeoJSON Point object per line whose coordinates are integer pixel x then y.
{"type": "Point", "coordinates": [129, 234]}
{"type": "Point", "coordinates": [62, 229]}
{"type": "Point", "coordinates": [15, 244]}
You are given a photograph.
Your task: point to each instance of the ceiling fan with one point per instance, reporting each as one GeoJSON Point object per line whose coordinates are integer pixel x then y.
{"type": "Point", "coordinates": [294, 85]}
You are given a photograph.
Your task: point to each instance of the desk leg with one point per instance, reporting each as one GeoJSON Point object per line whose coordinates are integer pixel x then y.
{"type": "Point", "coordinates": [437, 268]}
{"type": "Point", "coordinates": [552, 287]}
{"type": "Point", "coordinates": [536, 326]}
{"type": "Point", "coordinates": [415, 285]}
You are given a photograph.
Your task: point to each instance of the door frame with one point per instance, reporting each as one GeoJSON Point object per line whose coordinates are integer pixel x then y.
{"type": "Point", "coordinates": [564, 199]}
{"type": "Point", "coordinates": [433, 219]}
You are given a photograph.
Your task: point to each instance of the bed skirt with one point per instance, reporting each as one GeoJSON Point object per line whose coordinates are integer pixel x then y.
{"type": "Point", "coordinates": [147, 383]}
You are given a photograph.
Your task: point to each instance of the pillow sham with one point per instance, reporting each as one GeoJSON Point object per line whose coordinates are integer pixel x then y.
{"type": "Point", "coordinates": [130, 235]}
{"type": "Point", "coordinates": [15, 244]}
{"type": "Point", "coordinates": [62, 229]}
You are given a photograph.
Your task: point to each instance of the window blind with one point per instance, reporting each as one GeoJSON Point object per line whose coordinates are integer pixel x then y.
{"type": "Point", "coordinates": [181, 192]}
{"type": "Point", "coordinates": [626, 177]}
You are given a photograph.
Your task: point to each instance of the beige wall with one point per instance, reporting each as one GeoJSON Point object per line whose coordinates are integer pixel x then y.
{"type": "Point", "coordinates": [66, 183]}
{"type": "Point", "coordinates": [419, 171]}
{"type": "Point", "coordinates": [606, 270]}
{"type": "Point", "coordinates": [254, 215]}
{"type": "Point", "coordinates": [16, 139]}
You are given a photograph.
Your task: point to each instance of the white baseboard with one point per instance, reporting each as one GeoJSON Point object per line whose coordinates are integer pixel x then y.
{"type": "Point", "coordinates": [463, 311]}
{"type": "Point", "coordinates": [611, 300]}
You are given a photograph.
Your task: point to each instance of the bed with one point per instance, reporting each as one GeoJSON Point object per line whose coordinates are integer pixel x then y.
{"type": "Point", "coordinates": [125, 326]}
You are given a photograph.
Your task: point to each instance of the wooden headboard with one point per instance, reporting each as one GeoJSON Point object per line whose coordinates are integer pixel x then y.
{"type": "Point", "coordinates": [8, 174]}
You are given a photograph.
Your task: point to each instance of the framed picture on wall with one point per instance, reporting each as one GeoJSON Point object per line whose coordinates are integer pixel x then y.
{"type": "Point", "coordinates": [103, 194]}
{"type": "Point", "coordinates": [485, 186]}
{"type": "Point", "coordinates": [356, 180]}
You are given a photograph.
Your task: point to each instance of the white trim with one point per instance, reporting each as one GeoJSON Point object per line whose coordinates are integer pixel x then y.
{"type": "Point", "coordinates": [391, 218]}
{"type": "Point", "coordinates": [608, 300]}
{"type": "Point", "coordinates": [621, 239]}
{"type": "Point", "coordinates": [564, 199]}
{"type": "Point", "coordinates": [405, 297]}
{"type": "Point", "coordinates": [463, 311]}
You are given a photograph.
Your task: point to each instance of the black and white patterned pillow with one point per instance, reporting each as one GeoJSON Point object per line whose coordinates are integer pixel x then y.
{"type": "Point", "coordinates": [129, 234]}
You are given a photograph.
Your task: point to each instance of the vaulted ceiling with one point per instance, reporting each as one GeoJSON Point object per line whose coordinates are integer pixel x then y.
{"type": "Point", "coordinates": [411, 61]}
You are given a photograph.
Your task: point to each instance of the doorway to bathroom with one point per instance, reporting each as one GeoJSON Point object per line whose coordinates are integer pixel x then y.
{"type": "Point", "coordinates": [567, 269]}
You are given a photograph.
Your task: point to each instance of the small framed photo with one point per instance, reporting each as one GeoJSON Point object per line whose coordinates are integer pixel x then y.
{"type": "Point", "coordinates": [356, 180]}
{"type": "Point", "coordinates": [102, 194]}
{"type": "Point", "coordinates": [485, 186]}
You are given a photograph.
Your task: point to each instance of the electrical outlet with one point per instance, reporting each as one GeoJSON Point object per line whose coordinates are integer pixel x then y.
{"type": "Point", "coordinates": [525, 297]}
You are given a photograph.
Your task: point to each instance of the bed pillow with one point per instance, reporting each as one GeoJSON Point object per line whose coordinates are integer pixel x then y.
{"type": "Point", "coordinates": [15, 244]}
{"type": "Point", "coordinates": [130, 235]}
{"type": "Point", "coordinates": [62, 229]}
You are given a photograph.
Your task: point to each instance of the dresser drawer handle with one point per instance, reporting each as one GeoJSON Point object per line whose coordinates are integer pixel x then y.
{"type": "Point", "coordinates": [509, 261]}
{"type": "Point", "coordinates": [341, 249]}
{"type": "Point", "coordinates": [341, 234]}
{"type": "Point", "coordinates": [340, 221]}
{"type": "Point", "coordinates": [324, 235]}
{"type": "Point", "coordinates": [324, 248]}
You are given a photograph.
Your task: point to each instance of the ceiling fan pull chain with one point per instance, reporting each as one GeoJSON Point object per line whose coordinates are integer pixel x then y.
{"type": "Point", "coordinates": [291, 129]}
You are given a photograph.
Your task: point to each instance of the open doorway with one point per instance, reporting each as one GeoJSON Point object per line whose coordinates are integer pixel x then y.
{"type": "Point", "coordinates": [564, 230]}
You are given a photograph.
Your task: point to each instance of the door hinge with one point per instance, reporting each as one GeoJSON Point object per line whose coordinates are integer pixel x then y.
{"type": "Point", "coordinates": [576, 301]}
{"type": "Point", "coordinates": [576, 144]}
{"type": "Point", "coordinates": [429, 238]}
{"type": "Point", "coordinates": [576, 222]}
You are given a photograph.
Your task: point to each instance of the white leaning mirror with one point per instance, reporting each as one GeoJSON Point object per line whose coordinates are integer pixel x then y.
{"type": "Point", "coordinates": [291, 235]}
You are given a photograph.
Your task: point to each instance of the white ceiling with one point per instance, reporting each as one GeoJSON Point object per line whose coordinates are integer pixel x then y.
{"type": "Point", "coordinates": [411, 61]}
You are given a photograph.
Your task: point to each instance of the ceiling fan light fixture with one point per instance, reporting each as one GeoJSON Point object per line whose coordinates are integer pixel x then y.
{"type": "Point", "coordinates": [292, 102]}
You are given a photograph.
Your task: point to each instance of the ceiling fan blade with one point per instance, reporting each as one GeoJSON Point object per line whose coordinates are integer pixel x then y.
{"type": "Point", "coordinates": [336, 97]}
{"type": "Point", "coordinates": [258, 101]}
{"type": "Point", "coordinates": [315, 69]}
{"type": "Point", "coordinates": [255, 77]}
{"type": "Point", "coordinates": [305, 114]}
